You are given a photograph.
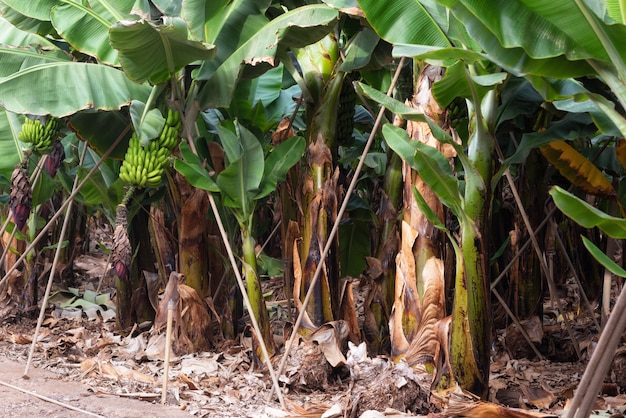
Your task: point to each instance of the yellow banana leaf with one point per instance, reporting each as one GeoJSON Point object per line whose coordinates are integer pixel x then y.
{"type": "Point", "coordinates": [581, 172]}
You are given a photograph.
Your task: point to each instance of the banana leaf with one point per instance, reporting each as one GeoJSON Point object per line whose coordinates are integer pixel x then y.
{"type": "Point", "coordinates": [586, 215]}
{"type": "Point", "coordinates": [602, 258]}
{"type": "Point", "coordinates": [256, 53]}
{"type": "Point", "coordinates": [407, 21]}
{"type": "Point", "coordinates": [155, 52]}
{"type": "Point", "coordinates": [63, 88]}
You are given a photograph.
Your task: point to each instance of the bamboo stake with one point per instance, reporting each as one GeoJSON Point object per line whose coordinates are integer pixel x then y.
{"type": "Point", "coordinates": [246, 300]}
{"type": "Point", "coordinates": [168, 348]}
{"type": "Point", "coordinates": [600, 361]}
{"type": "Point", "coordinates": [517, 323]}
{"type": "Point", "coordinates": [57, 255]}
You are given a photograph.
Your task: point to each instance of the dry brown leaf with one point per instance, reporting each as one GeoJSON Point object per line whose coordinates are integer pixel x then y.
{"type": "Point", "coordinates": [331, 337]}
{"type": "Point", "coordinates": [307, 324]}
{"type": "Point", "coordinates": [405, 285]}
{"type": "Point", "coordinates": [115, 372]}
{"type": "Point", "coordinates": [491, 410]}
{"type": "Point", "coordinates": [424, 348]}
{"type": "Point", "coordinates": [186, 380]}
{"type": "Point", "coordinates": [21, 339]}
{"type": "Point", "coordinates": [538, 397]}
{"type": "Point", "coordinates": [349, 313]}
{"type": "Point", "coordinates": [283, 132]}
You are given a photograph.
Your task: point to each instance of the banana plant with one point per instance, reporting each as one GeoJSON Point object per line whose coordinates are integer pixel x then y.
{"type": "Point", "coordinates": [470, 205]}
{"type": "Point", "coordinates": [248, 178]}
{"type": "Point", "coordinates": [134, 50]}
{"type": "Point", "coordinates": [472, 32]}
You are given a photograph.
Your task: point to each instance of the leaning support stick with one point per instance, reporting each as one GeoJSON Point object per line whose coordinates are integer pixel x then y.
{"type": "Point", "coordinates": [168, 348]}
{"type": "Point", "coordinates": [57, 255]}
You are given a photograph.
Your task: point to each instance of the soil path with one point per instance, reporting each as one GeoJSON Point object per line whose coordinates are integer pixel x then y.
{"type": "Point", "coordinates": [15, 403]}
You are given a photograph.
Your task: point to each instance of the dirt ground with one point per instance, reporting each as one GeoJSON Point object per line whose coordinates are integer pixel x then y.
{"type": "Point", "coordinates": [88, 369]}
{"type": "Point", "coordinates": [16, 403]}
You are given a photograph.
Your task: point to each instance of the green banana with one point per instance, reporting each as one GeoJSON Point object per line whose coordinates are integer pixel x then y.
{"type": "Point", "coordinates": [39, 136]}
{"type": "Point", "coordinates": [144, 166]}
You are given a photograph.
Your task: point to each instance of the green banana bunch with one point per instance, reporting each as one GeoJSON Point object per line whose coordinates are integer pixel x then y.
{"type": "Point", "coordinates": [41, 137]}
{"type": "Point", "coordinates": [169, 135]}
{"type": "Point", "coordinates": [144, 166]}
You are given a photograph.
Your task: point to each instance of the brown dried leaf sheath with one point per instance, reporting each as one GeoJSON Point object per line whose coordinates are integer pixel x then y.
{"type": "Point", "coordinates": [21, 196]}
{"type": "Point", "coordinates": [122, 251]}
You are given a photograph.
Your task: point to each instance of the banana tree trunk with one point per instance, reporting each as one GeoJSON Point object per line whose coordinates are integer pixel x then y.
{"type": "Point", "coordinates": [319, 181]}
{"type": "Point", "coordinates": [193, 241]}
{"type": "Point", "coordinates": [471, 324]}
{"type": "Point", "coordinates": [382, 269]}
{"type": "Point", "coordinates": [255, 293]}
{"type": "Point", "coordinates": [319, 213]}
{"type": "Point", "coordinates": [420, 284]}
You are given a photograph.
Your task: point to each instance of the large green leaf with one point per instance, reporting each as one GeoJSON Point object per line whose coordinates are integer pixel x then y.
{"type": "Point", "coordinates": [147, 123]}
{"type": "Point", "coordinates": [61, 89]}
{"type": "Point", "coordinates": [407, 21]}
{"type": "Point", "coordinates": [257, 52]}
{"type": "Point", "coordinates": [359, 50]}
{"type": "Point", "coordinates": [403, 110]}
{"type": "Point", "coordinates": [10, 146]}
{"type": "Point", "coordinates": [85, 25]}
{"type": "Point", "coordinates": [563, 27]}
{"type": "Point", "coordinates": [155, 52]}
{"type": "Point", "coordinates": [241, 178]}
{"type": "Point", "coordinates": [169, 7]}
{"type": "Point", "coordinates": [570, 36]}
{"type": "Point", "coordinates": [431, 165]}
{"type": "Point", "coordinates": [192, 169]}
{"type": "Point", "coordinates": [586, 215]}
{"type": "Point", "coordinates": [616, 11]}
{"type": "Point", "coordinates": [39, 9]}
{"type": "Point", "coordinates": [11, 35]}
{"type": "Point", "coordinates": [602, 258]}
{"type": "Point", "coordinates": [518, 98]}
{"type": "Point", "coordinates": [570, 95]}
{"type": "Point", "coordinates": [570, 127]}
{"type": "Point", "coordinates": [259, 100]}
{"type": "Point", "coordinates": [100, 129]}
{"type": "Point", "coordinates": [455, 83]}
{"type": "Point", "coordinates": [25, 23]}
{"type": "Point", "coordinates": [230, 141]}
{"type": "Point", "coordinates": [443, 57]}
{"type": "Point", "coordinates": [278, 163]}
{"type": "Point", "coordinates": [214, 21]}
{"type": "Point", "coordinates": [20, 49]}
{"type": "Point", "coordinates": [103, 189]}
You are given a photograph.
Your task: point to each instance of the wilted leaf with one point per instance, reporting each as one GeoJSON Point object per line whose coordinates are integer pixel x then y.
{"type": "Point", "coordinates": [577, 169]}
{"type": "Point", "coordinates": [331, 337]}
